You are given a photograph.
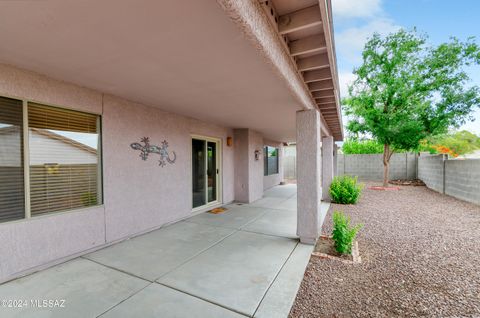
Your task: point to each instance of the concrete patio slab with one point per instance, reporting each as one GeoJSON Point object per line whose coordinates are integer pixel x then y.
{"type": "Point", "coordinates": [281, 295]}
{"type": "Point", "coordinates": [275, 222]}
{"type": "Point", "coordinates": [246, 261]}
{"type": "Point", "coordinates": [235, 217]}
{"type": "Point", "coordinates": [268, 202]}
{"type": "Point", "coordinates": [89, 289]}
{"type": "Point", "coordinates": [283, 191]}
{"type": "Point", "coordinates": [290, 204]}
{"type": "Point", "coordinates": [236, 272]}
{"type": "Point", "coordinates": [235, 205]}
{"type": "Point", "coordinates": [160, 301]}
{"type": "Point", "coordinates": [154, 254]}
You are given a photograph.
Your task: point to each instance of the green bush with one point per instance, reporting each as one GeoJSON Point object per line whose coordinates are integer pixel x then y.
{"type": "Point", "coordinates": [345, 190]}
{"type": "Point", "coordinates": [343, 233]}
{"type": "Point", "coordinates": [351, 147]}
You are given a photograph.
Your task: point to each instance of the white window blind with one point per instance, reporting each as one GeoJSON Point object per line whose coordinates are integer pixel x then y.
{"type": "Point", "coordinates": [64, 148]}
{"type": "Point", "coordinates": [12, 189]}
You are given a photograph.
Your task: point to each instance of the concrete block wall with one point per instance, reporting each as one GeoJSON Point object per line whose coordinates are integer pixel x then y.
{"type": "Point", "coordinates": [462, 179]}
{"type": "Point", "coordinates": [340, 164]}
{"type": "Point", "coordinates": [370, 166]}
{"type": "Point", "coordinates": [431, 170]}
{"type": "Point", "coordinates": [411, 165]}
{"type": "Point", "coordinates": [457, 178]}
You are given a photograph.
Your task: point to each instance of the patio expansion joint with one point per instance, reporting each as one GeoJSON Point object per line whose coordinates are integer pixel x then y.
{"type": "Point", "coordinates": [277, 209]}
{"type": "Point", "coordinates": [269, 234]}
{"type": "Point", "coordinates": [235, 230]}
{"type": "Point", "coordinates": [203, 299]}
{"type": "Point", "coordinates": [199, 253]}
{"type": "Point", "coordinates": [279, 203]}
{"type": "Point", "coordinates": [274, 279]}
{"type": "Point", "coordinates": [214, 303]}
{"type": "Point", "coordinates": [230, 227]}
{"type": "Point", "coordinates": [213, 225]}
{"type": "Point", "coordinates": [251, 221]}
{"type": "Point", "coordinates": [123, 300]}
{"type": "Point", "coordinates": [150, 282]}
{"type": "Point", "coordinates": [285, 199]}
{"type": "Point", "coordinates": [124, 272]}
{"type": "Point", "coordinates": [116, 269]}
{"type": "Point", "coordinates": [243, 227]}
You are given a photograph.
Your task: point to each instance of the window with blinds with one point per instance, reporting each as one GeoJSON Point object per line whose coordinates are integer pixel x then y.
{"type": "Point", "coordinates": [12, 188]}
{"type": "Point", "coordinates": [64, 152]}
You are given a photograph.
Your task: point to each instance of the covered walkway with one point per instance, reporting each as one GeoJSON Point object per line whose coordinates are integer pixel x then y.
{"type": "Point", "coordinates": [246, 261]}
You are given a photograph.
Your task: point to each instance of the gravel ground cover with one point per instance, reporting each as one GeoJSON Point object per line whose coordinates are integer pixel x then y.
{"type": "Point", "coordinates": [420, 258]}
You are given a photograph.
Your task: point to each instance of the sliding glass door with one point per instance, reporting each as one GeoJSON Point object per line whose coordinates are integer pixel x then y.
{"type": "Point", "coordinates": [205, 172]}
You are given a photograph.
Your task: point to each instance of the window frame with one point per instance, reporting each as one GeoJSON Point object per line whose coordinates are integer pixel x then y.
{"type": "Point", "coordinates": [265, 161]}
{"type": "Point", "coordinates": [26, 158]}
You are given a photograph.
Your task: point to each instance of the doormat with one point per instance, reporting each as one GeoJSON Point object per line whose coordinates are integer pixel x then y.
{"type": "Point", "coordinates": [217, 210]}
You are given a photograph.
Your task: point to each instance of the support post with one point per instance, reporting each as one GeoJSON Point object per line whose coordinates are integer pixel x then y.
{"type": "Point", "coordinates": [335, 160]}
{"type": "Point", "coordinates": [327, 166]}
{"type": "Point", "coordinates": [309, 191]}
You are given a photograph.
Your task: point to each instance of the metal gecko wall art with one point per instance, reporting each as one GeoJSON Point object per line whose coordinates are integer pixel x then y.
{"type": "Point", "coordinates": [147, 149]}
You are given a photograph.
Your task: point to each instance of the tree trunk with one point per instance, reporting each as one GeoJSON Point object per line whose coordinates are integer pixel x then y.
{"type": "Point", "coordinates": [387, 154]}
{"type": "Point", "coordinates": [385, 173]}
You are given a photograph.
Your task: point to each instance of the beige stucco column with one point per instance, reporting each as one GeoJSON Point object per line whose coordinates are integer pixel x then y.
{"type": "Point", "coordinates": [335, 160]}
{"type": "Point", "coordinates": [327, 166]}
{"type": "Point", "coordinates": [309, 191]}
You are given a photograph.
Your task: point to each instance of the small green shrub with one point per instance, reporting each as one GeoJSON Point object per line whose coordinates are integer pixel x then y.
{"type": "Point", "coordinates": [343, 233]}
{"type": "Point", "coordinates": [345, 190]}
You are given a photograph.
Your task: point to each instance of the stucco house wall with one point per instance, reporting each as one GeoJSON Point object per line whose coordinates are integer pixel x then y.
{"type": "Point", "coordinates": [241, 155]}
{"type": "Point", "coordinates": [138, 195]}
{"type": "Point", "coordinates": [250, 181]}
{"type": "Point", "coordinates": [255, 166]}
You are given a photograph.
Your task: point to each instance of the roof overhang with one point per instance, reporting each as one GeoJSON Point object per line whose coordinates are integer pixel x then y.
{"type": "Point", "coordinates": [186, 57]}
{"type": "Point", "coordinates": [300, 44]}
{"type": "Point", "coordinates": [306, 27]}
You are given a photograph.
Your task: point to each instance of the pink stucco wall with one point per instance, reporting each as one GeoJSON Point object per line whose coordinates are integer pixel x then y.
{"type": "Point", "coordinates": [138, 195]}
{"type": "Point", "coordinates": [250, 181]}
{"type": "Point", "coordinates": [241, 159]}
{"type": "Point", "coordinates": [255, 167]}
{"type": "Point", "coordinates": [248, 170]}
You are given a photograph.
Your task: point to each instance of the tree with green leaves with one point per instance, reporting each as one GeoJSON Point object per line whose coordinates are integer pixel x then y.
{"type": "Point", "coordinates": [406, 90]}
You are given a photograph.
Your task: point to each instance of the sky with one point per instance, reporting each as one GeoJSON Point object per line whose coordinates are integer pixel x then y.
{"type": "Point", "coordinates": [356, 20]}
